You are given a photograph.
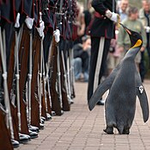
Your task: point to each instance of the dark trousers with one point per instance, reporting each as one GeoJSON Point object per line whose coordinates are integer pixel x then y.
{"type": "Point", "coordinates": [142, 63]}
{"type": "Point", "coordinates": [85, 61]}
{"type": "Point", "coordinates": [99, 52]}
{"type": "Point", "coordinates": [142, 67]}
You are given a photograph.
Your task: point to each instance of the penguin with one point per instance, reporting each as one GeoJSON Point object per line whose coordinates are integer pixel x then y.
{"type": "Point", "coordinates": [124, 84]}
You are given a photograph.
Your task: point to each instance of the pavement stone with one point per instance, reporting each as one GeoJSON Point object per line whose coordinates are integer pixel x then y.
{"type": "Point", "coordinates": [81, 129]}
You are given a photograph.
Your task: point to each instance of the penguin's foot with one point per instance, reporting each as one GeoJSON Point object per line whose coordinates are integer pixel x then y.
{"type": "Point", "coordinates": [109, 130]}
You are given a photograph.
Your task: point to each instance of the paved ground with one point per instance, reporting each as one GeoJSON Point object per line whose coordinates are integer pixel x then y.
{"type": "Point", "coordinates": [80, 129]}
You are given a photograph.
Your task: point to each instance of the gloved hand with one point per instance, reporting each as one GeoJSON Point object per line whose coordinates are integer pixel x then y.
{"type": "Point", "coordinates": [147, 29]}
{"type": "Point", "coordinates": [17, 24]}
{"type": "Point", "coordinates": [41, 27]}
{"type": "Point", "coordinates": [112, 16]}
{"type": "Point", "coordinates": [29, 22]}
{"type": "Point", "coordinates": [56, 33]}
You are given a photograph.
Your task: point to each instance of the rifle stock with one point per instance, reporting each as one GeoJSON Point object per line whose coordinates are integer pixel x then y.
{"type": "Point", "coordinates": [15, 121]}
{"type": "Point", "coordinates": [24, 52]}
{"type": "Point", "coordinates": [43, 102]}
{"type": "Point", "coordinates": [35, 118]}
{"type": "Point", "coordinates": [65, 102]}
{"type": "Point", "coordinates": [5, 138]}
{"type": "Point", "coordinates": [11, 65]}
{"type": "Point", "coordinates": [49, 100]}
{"type": "Point", "coordinates": [56, 106]}
{"type": "Point", "coordinates": [10, 82]}
{"type": "Point", "coordinates": [49, 109]}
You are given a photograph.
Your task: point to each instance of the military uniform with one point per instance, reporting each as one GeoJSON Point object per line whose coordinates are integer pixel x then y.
{"type": "Point", "coordinates": [102, 31]}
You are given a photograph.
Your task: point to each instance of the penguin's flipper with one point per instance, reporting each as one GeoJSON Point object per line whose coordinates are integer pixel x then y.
{"type": "Point", "coordinates": [102, 88]}
{"type": "Point", "coordinates": [143, 102]}
{"type": "Point", "coordinates": [141, 93]}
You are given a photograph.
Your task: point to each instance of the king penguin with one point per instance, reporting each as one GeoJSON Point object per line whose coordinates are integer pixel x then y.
{"type": "Point", "coordinates": [124, 84]}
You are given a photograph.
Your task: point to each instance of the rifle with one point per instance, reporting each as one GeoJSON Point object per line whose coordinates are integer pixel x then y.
{"type": "Point", "coordinates": [73, 13]}
{"type": "Point", "coordinates": [58, 81]}
{"type": "Point", "coordinates": [35, 116]}
{"type": "Point", "coordinates": [46, 95]}
{"type": "Point", "coordinates": [71, 74]}
{"type": "Point", "coordinates": [47, 82]}
{"type": "Point", "coordinates": [64, 86]}
{"type": "Point", "coordinates": [15, 121]}
{"type": "Point", "coordinates": [56, 106]}
{"type": "Point", "coordinates": [29, 81]}
{"type": "Point", "coordinates": [49, 105]}
{"type": "Point", "coordinates": [65, 92]}
{"type": "Point", "coordinates": [5, 138]}
{"type": "Point", "coordinates": [23, 53]}
{"type": "Point", "coordinates": [47, 88]}
{"type": "Point", "coordinates": [5, 85]}
{"type": "Point", "coordinates": [40, 92]}
{"type": "Point", "coordinates": [10, 82]}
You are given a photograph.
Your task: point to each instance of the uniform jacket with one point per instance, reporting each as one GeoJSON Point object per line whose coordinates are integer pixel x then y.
{"type": "Point", "coordinates": [78, 50]}
{"type": "Point", "coordinates": [103, 26]}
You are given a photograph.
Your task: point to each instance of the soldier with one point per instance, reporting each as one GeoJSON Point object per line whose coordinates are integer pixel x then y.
{"type": "Point", "coordinates": [102, 31]}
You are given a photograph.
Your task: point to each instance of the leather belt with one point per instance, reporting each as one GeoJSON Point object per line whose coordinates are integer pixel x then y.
{"type": "Point", "coordinates": [98, 15]}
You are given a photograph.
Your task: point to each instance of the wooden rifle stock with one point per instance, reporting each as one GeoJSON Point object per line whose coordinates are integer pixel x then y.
{"type": "Point", "coordinates": [48, 76]}
{"type": "Point", "coordinates": [35, 118]}
{"type": "Point", "coordinates": [10, 83]}
{"type": "Point", "coordinates": [41, 83]}
{"type": "Point", "coordinates": [15, 121]}
{"type": "Point", "coordinates": [65, 102]}
{"type": "Point", "coordinates": [54, 95]}
{"type": "Point", "coordinates": [49, 109]}
{"type": "Point", "coordinates": [5, 138]}
{"type": "Point", "coordinates": [24, 52]}
{"type": "Point", "coordinates": [45, 96]}
{"type": "Point", "coordinates": [43, 113]}
{"type": "Point", "coordinates": [11, 65]}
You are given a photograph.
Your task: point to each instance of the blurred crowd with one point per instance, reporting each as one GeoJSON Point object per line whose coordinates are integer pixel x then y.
{"type": "Point", "coordinates": [133, 18]}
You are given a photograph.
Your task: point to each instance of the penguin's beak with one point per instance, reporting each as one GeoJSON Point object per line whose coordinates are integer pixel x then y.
{"type": "Point", "coordinates": [127, 30]}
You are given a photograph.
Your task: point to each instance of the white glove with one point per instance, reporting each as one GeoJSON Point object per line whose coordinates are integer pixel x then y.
{"type": "Point", "coordinates": [56, 33]}
{"type": "Point", "coordinates": [41, 29]}
{"type": "Point", "coordinates": [17, 24]}
{"type": "Point", "coordinates": [147, 29]}
{"type": "Point", "coordinates": [29, 22]}
{"type": "Point", "coordinates": [112, 16]}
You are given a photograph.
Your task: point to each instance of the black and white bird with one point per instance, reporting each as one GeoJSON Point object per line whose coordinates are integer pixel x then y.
{"type": "Point", "coordinates": [124, 84]}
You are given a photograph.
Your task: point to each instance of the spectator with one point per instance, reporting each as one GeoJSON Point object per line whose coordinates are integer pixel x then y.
{"type": "Point", "coordinates": [81, 59]}
{"type": "Point", "coordinates": [144, 16]}
{"type": "Point", "coordinates": [122, 9]}
{"type": "Point", "coordinates": [114, 53]}
{"type": "Point", "coordinates": [80, 22]}
{"type": "Point", "coordinates": [134, 24]}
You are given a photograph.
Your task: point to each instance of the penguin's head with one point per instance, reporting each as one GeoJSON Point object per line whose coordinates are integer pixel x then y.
{"type": "Point", "coordinates": [136, 39]}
